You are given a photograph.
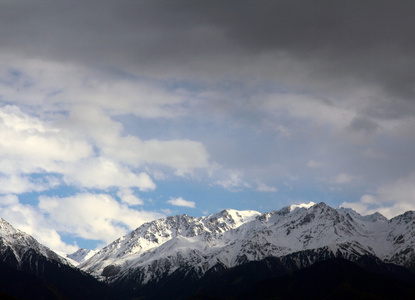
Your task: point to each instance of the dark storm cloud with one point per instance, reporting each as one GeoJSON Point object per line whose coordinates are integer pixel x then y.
{"type": "Point", "coordinates": [364, 42]}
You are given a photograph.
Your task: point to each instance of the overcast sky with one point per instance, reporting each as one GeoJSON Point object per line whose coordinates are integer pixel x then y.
{"type": "Point", "coordinates": [114, 113]}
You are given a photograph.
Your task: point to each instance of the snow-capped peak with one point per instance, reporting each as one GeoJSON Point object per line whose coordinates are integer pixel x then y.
{"type": "Point", "coordinates": [232, 237]}
{"type": "Point", "coordinates": [80, 256]}
{"type": "Point", "coordinates": [21, 243]}
{"type": "Point", "coordinates": [375, 217]}
{"type": "Point", "coordinates": [235, 218]}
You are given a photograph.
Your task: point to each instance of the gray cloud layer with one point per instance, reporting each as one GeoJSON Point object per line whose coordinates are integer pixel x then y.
{"type": "Point", "coordinates": [370, 41]}
{"type": "Point", "coordinates": [327, 47]}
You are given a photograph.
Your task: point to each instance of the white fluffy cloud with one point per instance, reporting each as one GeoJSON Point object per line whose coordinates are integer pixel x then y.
{"type": "Point", "coordinates": [181, 202]}
{"type": "Point", "coordinates": [390, 200]}
{"type": "Point", "coordinates": [27, 144]}
{"type": "Point", "coordinates": [80, 107]}
{"type": "Point", "coordinates": [61, 132]}
{"type": "Point", "coordinates": [31, 221]}
{"type": "Point", "coordinates": [90, 216]}
{"type": "Point", "coordinates": [181, 155]}
{"type": "Point", "coordinates": [101, 173]}
{"type": "Point", "coordinates": [16, 184]}
{"type": "Point", "coordinates": [127, 196]}
{"type": "Point", "coordinates": [93, 216]}
{"type": "Point", "coordinates": [88, 149]}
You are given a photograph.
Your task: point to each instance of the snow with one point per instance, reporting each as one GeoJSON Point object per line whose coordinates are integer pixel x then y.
{"type": "Point", "coordinates": [20, 243]}
{"type": "Point", "coordinates": [232, 237]}
{"type": "Point", "coordinates": [82, 254]}
{"type": "Point", "coordinates": [68, 259]}
{"type": "Point", "coordinates": [78, 256]}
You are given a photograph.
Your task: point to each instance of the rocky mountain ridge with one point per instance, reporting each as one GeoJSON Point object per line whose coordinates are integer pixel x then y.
{"type": "Point", "coordinates": [183, 256]}
{"type": "Point", "coordinates": [17, 246]}
{"type": "Point", "coordinates": [305, 233]}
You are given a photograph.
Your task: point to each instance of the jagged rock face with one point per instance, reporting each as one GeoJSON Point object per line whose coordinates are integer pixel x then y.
{"type": "Point", "coordinates": [17, 247]}
{"type": "Point", "coordinates": [168, 244]}
{"type": "Point", "coordinates": [402, 238]}
{"type": "Point", "coordinates": [33, 271]}
{"type": "Point", "coordinates": [307, 233]}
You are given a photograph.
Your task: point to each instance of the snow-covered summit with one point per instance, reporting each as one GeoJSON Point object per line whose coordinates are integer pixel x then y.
{"type": "Point", "coordinates": [176, 229]}
{"type": "Point", "coordinates": [232, 237]}
{"type": "Point", "coordinates": [20, 245]}
{"type": "Point", "coordinates": [78, 257]}
{"type": "Point", "coordinates": [375, 217]}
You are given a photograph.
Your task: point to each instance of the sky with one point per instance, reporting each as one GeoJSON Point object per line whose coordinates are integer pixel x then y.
{"type": "Point", "coordinates": [116, 113]}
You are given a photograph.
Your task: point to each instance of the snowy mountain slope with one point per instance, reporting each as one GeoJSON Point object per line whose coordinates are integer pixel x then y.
{"type": "Point", "coordinates": [30, 270]}
{"type": "Point", "coordinates": [402, 240]}
{"type": "Point", "coordinates": [81, 255]}
{"type": "Point", "coordinates": [17, 246]}
{"type": "Point", "coordinates": [231, 238]}
{"type": "Point", "coordinates": [78, 257]}
{"type": "Point", "coordinates": [175, 235]}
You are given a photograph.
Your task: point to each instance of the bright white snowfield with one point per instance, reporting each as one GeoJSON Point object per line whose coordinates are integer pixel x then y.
{"type": "Point", "coordinates": [231, 237]}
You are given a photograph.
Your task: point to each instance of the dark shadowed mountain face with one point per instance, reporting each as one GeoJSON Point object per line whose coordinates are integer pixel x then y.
{"type": "Point", "coordinates": [29, 270]}
{"type": "Point", "coordinates": [38, 277]}
{"type": "Point", "coordinates": [266, 279]}
{"type": "Point", "coordinates": [334, 279]}
{"type": "Point", "coordinates": [55, 283]}
{"type": "Point", "coordinates": [274, 278]}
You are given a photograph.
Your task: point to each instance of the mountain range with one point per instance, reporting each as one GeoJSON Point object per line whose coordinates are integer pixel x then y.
{"type": "Point", "coordinates": [233, 253]}
{"type": "Point", "coordinates": [231, 238]}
